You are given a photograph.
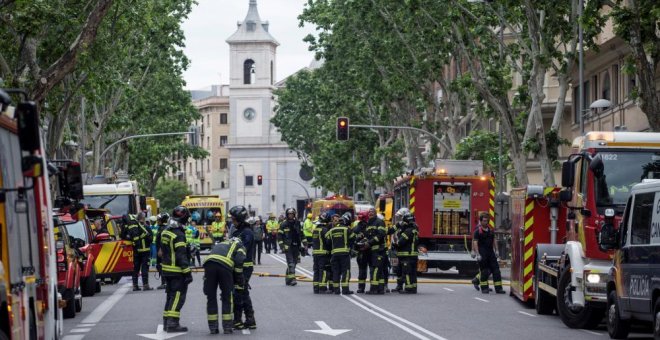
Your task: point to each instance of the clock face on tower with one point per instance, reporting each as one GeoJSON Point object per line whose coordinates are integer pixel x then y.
{"type": "Point", "coordinates": [249, 114]}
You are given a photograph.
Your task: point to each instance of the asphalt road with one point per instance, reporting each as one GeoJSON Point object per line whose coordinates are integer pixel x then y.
{"type": "Point", "coordinates": [447, 307]}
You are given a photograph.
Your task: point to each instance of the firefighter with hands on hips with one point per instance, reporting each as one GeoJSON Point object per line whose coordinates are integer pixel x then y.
{"type": "Point", "coordinates": [140, 235]}
{"type": "Point", "coordinates": [487, 255]}
{"type": "Point", "coordinates": [217, 228]}
{"type": "Point", "coordinates": [291, 239]}
{"type": "Point", "coordinates": [242, 301]}
{"type": "Point", "coordinates": [163, 219]}
{"type": "Point", "coordinates": [406, 243]}
{"type": "Point", "coordinates": [271, 234]}
{"type": "Point", "coordinates": [321, 254]}
{"type": "Point", "coordinates": [176, 268]}
{"type": "Point", "coordinates": [363, 249]}
{"type": "Point", "coordinates": [341, 238]}
{"type": "Point", "coordinates": [223, 268]}
{"type": "Point", "coordinates": [376, 233]}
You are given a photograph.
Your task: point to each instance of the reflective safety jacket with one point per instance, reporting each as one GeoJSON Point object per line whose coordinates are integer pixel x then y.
{"type": "Point", "coordinates": [218, 229]}
{"type": "Point", "coordinates": [341, 239]}
{"type": "Point", "coordinates": [408, 240]}
{"type": "Point", "coordinates": [230, 254]}
{"type": "Point", "coordinates": [245, 233]}
{"type": "Point", "coordinates": [175, 253]}
{"type": "Point", "coordinates": [375, 233]}
{"type": "Point", "coordinates": [154, 233]}
{"type": "Point", "coordinates": [139, 235]}
{"type": "Point", "coordinates": [320, 245]}
{"type": "Point", "coordinates": [308, 227]}
{"type": "Point", "coordinates": [290, 234]}
{"type": "Point", "coordinates": [272, 226]}
{"type": "Point", "coordinates": [159, 233]}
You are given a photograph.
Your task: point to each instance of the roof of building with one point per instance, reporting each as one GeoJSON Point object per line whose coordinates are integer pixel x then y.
{"type": "Point", "coordinates": [252, 29]}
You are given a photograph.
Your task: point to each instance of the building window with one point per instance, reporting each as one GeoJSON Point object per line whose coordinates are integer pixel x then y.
{"type": "Point", "coordinates": [223, 118]}
{"type": "Point", "coordinates": [208, 165]}
{"type": "Point", "coordinates": [223, 140]}
{"type": "Point", "coordinates": [615, 84]}
{"type": "Point", "coordinates": [222, 184]}
{"type": "Point", "coordinates": [223, 163]}
{"type": "Point", "coordinates": [249, 181]}
{"type": "Point", "coordinates": [208, 187]}
{"type": "Point", "coordinates": [630, 86]}
{"type": "Point", "coordinates": [195, 189]}
{"type": "Point", "coordinates": [190, 169]}
{"type": "Point", "coordinates": [576, 101]}
{"type": "Point", "coordinates": [208, 120]}
{"type": "Point", "coordinates": [272, 75]}
{"type": "Point", "coordinates": [248, 72]}
{"type": "Point", "coordinates": [606, 91]}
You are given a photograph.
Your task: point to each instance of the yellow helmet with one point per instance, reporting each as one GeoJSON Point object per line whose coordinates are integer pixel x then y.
{"type": "Point", "coordinates": [309, 215]}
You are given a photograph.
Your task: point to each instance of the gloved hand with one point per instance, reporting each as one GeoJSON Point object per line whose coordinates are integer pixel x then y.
{"type": "Point", "coordinates": [285, 248]}
{"type": "Point", "coordinates": [239, 279]}
{"type": "Point", "coordinates": [303, 251]}
{"type": "Point", "coordinates": [188, 279]}
{"type": "Point", "coordinates": [473, 254]}
{"type": "Point", "coordinates": [478, 258]}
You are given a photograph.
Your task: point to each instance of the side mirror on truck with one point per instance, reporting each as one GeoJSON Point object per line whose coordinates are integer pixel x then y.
{"type": "Point", "coordinates": [608, 237]}
{"type": "Point", "coordinates": [568, 174]}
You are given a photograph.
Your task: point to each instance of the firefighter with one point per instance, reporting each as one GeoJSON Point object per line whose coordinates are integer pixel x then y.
{"type": "Point", "coordinates": [176, 269]}
{"type": "Point", "coordinates": [407, 240]}
{"type": "Point", "coordinates": [291, 241]}
{"type": "Point", "coordinates": [487, 255]}
{"type": "Point", "coordinates": [140, 236]}
{"type": "Point", "coordinates": [163, 219]}
{"type": "Point", "coordinates": [363, 249]}
{"type": "Point", "coordinates": [223, 268]}
{"type": "Point", "coordinates": [153, 225]}
{"type": "Point", "coordinates": [321, 254]}
{"type": "Point", "coordinates": [242, 300]}
{"type": "Point", "coordinates": [218, 228]}
{"type": "Point", "coordinates": [308, 227]}
{"type": "Point", "coordinates": [375, 235]}
{"type": "Point", "coordinates": [271, 234]}
{"type": "Point", "coordinates": [341, 237]}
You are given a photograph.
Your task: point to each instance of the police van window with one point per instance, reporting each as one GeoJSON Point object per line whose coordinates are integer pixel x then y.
{"type": "Point", "coordinates": [626, 222]}
{"type": "Point", "coordinates": [641, 219]}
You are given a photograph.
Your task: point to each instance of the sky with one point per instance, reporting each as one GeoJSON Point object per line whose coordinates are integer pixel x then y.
{"type": "Point", "coordinates": [211, 22]}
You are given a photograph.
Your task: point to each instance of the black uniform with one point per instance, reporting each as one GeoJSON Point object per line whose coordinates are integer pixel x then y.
{"type": "Point", "coordinates": [363, 255]}
{"type": "Point", "coordinates": [242, 300]}
{"type": "Point", "coordinates": [321, 253]}
{"type": "Point", "coordinates": [341, 238]}
{"type": "Point", "coordinates": [290, 238]}
{"type": "Point", "coordinates": [375, 234]}
{"type": "Point", "coordinates": [407, 242]}
{"type": "Point", "coordinates": [223, 268]}
{"type": "Point", "coordinates": [176, 272]}
{"type": "Point", "coordinates": [159, 253]}
{"type": "Point", "coordinates": [141, 237]}
{"type": "Point", "coordinates": [488, 263]}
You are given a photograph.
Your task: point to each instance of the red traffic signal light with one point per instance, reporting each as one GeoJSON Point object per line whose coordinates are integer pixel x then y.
{"type": "Point", "coordinates": [260, 179]}
{"type": "Point", "coordinates": [342, 128]}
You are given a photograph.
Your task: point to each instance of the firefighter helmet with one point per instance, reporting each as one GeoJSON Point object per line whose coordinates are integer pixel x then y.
{"type": "Point", "coordinates": [164, 217]}
{"type": "Point", "coordinates": [346, 218]}
{"type": "Point", "coordinates": [239, 213]}
{"type": "Point", "coordinates": [290, 211]}
{"type": "Point", "coordinates": [325, 217]}
{"type": "Point", "coordinates": [153, 219]}
{"type": "Point", "coordinates": [181, 214]}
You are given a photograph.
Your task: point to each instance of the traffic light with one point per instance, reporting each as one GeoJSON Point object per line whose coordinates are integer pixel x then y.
{"type": "Point", "coordinates": [342, 128]}
{"type": "Point", "coordinates": [260, 179]}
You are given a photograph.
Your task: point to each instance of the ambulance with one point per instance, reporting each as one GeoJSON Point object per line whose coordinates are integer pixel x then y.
{"type": "Point", "coordinates": [203, 209]}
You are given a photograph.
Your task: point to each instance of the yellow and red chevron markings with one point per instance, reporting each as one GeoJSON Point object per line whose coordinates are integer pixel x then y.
{"type": "Point", "coordinates": [491, 202]}
{"type": "Point", "coordinates": [412, 194]}
{"type": "Point", "coordinates": [108, 257]}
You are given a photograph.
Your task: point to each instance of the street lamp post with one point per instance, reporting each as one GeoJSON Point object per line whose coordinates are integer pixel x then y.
{"type": "Point", "coordinates": [581, 67]}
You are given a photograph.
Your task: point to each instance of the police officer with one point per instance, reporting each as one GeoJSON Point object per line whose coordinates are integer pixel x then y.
{"type": "Point", "coordinates": [163, 219]}
{"type": "Point", "coordinates": [484, 241]}
{"type": "Point", "coordinates": [141, 237]}
{"type": "Point", "coordinates": [271, 234]}
{"type": "Point", "coordinates": [375, 235]}
{"type": "Point", "coordinates": [223, 268]}
{"type": "Point", "coordinates": [218, 228]}
{"type": "Point", "coordinates": [321, 254]}
{"type": "Point", "coordinates": [341, 238]}
{"type": "Point", "coordinates": [176, 269]}
{"type": "Point", "coordinates": [291, 241]}
{"type": "Point", "coordinates": [308, 227]}
{"type": "Point", "coordinates": [242, 300]}
{"type": "Point", "coordinates": [407, 240]}
{"type": "Point", "coordinates": [363, 249]}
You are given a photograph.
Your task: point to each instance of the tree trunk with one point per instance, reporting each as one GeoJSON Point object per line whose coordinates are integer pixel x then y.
{"type": "Point", "coordinates": [649, 99]}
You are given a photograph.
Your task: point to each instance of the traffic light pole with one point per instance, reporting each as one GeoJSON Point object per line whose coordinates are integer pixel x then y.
{"type": "Point", "coordinates": [390, 127]}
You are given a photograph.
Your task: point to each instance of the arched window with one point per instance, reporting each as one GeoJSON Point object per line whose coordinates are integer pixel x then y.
{"type": "Point", "coordinates": [248, 72]}
{"type": "Point", "coordinates": [606, 93]}
{"type": "Point", "coordinates": [271, 72]}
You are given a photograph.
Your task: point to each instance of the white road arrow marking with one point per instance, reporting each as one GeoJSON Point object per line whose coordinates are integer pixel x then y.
{"type": "Point", "coordinates": [160, 334]}
{"type": "Point", "coordinates": [325, 329]}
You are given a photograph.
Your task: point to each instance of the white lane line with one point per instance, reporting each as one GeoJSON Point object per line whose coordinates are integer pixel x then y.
{"type": "Point", "coordinates": [394, 316]}
{"type": "Point", "coordinates": [591, 332]}
{"type": "Point", "coordinates": [481, 299]}
{"type": "Point", "coordinates": [80, 330]}
{"type": "Point", "coordinates": [246, 331]}
{"type": "Point", "coordinates": [73, 337]}
{"type": "Point", "coordinates": [84, 325]}
{"type": "Point", "coordinates": [448, 289]}
{"type": "Point", "coordinates": [525, 313]}
{"type": "Point", "coordinates": [97, 315]}
{"type": "Point", "coordinates": [303, 271]}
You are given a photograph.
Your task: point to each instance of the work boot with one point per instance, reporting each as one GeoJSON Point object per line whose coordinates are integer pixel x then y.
{"type": "Point", "coordinates": [345, 291]}
{"type": "Point", "coordinates": [485, 290]}
{"type": "Point", "coordinates": [163, 286]}
{"type": "Point", "coordinates": [238, 324]}
{"type": "Point", "coordinates": [227, 327]}
{"type": "Point", "coordinates": [360, 291]}
{"type": "Point", "coordinates": [147, 287]}
{"type": "Point", "coordinates": [337, 291]}
{"type": "Point", "coordinates": [227, 331]}
{"type": "Point", "coordinates": [173, 326]}
{"type": "Point", "coordinates": [250, 322]}
{"type": "Point", "coordinates": [294, 282]}
{"type": "Point", "coordinates": [499, 290]}
{"type": "Point", "coordinates": [316, 290]}
{"type": "Point", "coordinates": [213, 327]}
{"type": "Point", "coordinates": [475, 282]}
{"type": "Point", "coordinates": [136, 288]}
{"type": "Point", "coordinates": [323, 290]}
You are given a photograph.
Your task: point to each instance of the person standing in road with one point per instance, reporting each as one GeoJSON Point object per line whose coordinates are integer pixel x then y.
{"type": "Point", "coordinates": [487, 255]}
{"type": "Point", "coordinates": [242, 300]}
{"type": "Point", "coordinates": [163, 219]}
{"type": "Point", "coordinates": [258, 228]}
{"type": "Point", "coordinates": [341, 238]}
{"type": "Point", "coordinates": [271, 234]}
{"type": "Point", "coordinates": [223, 268]}
{"type": "Point", "coordinates": [292, 243]}
{"type": "Point", "coordinates": [176, 269]}
{"type": "Point", "coordinates": [136, 232]}
{"type": "Point", "coordinates": [375, 234]}
{"type": "Point", "coordinates": [218, 228]}
{"type": "Point", "coordinates": [153, 225]}
{"type": "Point", "coordinates": [321, 254]}
{"type": "Point", "coordinates": [407, 241]}
{"type": "Point", "coordinates": [308, 227]}
{"type": "Point", "coordinates": [363, 249]}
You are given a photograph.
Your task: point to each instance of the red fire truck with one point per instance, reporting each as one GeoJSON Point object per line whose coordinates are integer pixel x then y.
{"type": "Point", "coordinates": [28, 279]}
{"type": "Point", "coordinates": [446, 202]}
{"type": "Point", "coordinates": [556, 257]}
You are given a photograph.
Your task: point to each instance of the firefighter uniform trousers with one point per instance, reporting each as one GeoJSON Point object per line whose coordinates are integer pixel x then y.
{"type": "Point", "coordinates": [176, 290]}
{"type": "Point", "coordinates": [363, 258]}
{"type": "Point", "coordinates": [408, 270]}
{"type": "Point", "coordinates": [217, 275]}
{"type": "Point", "coordinates": [341, 272]}
{"type": "Point", "coordinates": [487, 266]}
{"type": "Point", "coordinates": [292, 255]}
{"type": "Point", "coordinates": [320, 279]}
{"type": "Point", "coordinates": [376, 263]}
{"type": "Point", "coordinates": [242, 300]}
{"type": "Point", "coordinates": [141, 266]}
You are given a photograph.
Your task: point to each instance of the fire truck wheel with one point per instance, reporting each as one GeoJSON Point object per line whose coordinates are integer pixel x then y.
{"type": "Point", "coordinates": [617, 328]}
{"type": "Point", "coordinates": [88, 284]}
{"type": "Point", "coordinates": [576, 317]}
{"type": "Point", "coordinates": [544, 302]}
{"type": "Point", "coordinates": [70, 310]}
{"type": "Point", "coordinates": [78, 305]}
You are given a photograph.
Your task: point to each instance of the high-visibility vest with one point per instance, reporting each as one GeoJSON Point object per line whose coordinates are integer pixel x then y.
{"type": "Point", "coordinates": [189, 235]}
{"type": "Point", "coordinates": [308, 227]}
{"type": "Point", "coordinates": [272, 226]}
{"type": "Point", "coordinates": [218, 229]}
